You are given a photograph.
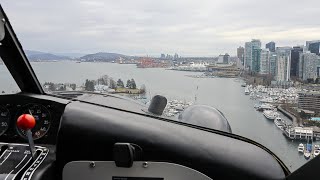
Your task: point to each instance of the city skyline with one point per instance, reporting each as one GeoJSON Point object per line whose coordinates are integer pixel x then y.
{"type": "Point", "coordinates": [188, 28]}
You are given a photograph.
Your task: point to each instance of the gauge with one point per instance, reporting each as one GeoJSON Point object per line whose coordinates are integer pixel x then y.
{"type": "Point", "coordinates": [42, 117]}
{"type": "Point", "coordinates": [4, 119]}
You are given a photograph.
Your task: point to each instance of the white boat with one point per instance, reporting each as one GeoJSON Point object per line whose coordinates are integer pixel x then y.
{"type": "Point", "coordinates": [307, 154]}
{"type": "Point", "coordinates": [279, 122]}
{"type": "Point", "coordinates": [267, 100]}
{"type": "Point", "coordinates": [301, 148]}
{"type": "Point", "coordinates": [316, 146]}
{"type": "Point", "coordinates": [316, 152]}
{"type": "Point", "coordinates": [308, 150]}
{"type": "Point", "coordinates": [263, 107]}
{"type": "Point", "coordinates": [269, 114]}
{"type": "Point", "coordinates": [246, 91]}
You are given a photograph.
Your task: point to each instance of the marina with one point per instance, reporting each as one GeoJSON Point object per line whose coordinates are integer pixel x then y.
{"type": "Point", "coordinates": [272, 100]}
{"type": "Point", "coordinates": [225, 94]}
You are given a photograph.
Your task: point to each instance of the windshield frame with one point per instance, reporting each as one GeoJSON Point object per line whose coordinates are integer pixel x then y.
{"type": "Point", "coordinates": [15, 59]}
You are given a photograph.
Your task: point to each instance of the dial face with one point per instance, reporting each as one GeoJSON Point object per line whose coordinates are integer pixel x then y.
{"type": "Point", "coordinates": [42, 117]}
{"type": "Point", "coordinates": [4, 119]}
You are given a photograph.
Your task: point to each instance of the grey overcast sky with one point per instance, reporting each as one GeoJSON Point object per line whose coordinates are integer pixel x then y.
{"type": "Point", "coordinates": [151, 27]}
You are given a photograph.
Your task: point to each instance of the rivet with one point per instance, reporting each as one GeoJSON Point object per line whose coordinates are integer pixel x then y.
{"type": "Point", "coordinates": [145, 164]}
{"type": "Point", "coordinates": [92, 164]}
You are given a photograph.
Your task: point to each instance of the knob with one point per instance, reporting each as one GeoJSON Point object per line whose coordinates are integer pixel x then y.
{"type": "Point", "coordinates": [26, 122]}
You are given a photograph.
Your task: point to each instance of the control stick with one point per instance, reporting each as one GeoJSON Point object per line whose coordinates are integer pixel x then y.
{"type": "Point", "coordinates": [26, 122]}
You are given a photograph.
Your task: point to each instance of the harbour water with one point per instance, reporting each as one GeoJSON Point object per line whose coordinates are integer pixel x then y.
{"type": "Point", "coordinates": [226, 94]}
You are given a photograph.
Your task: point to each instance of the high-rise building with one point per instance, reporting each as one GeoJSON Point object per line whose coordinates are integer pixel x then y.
{"type": "Point", "coordinates": [309, 63]}
{"type": "Point", "coordinates": [313, 46]}
{"type": "Point", "coordinates": [224, 59]}
{"type": "Point", "coordinates": [283, 63]}
{"type": "Point", "coordinates": [271, 46]}
{"type": "Point", "coordinates": [256, 57]}
{"type": "Point", "coordinates": [249, 46]}
{"type": "Point", "coordinates": [220, 59]}
{"type": "Point", "coordinates": [163, 56]}
{"type": "Point", "coordinates": [294, 67]}
{"type": "Point", "coordinates": [176, 56]}
{"type": "Point", "coordinates": [273, 63]}
{"type": "Point", "coordinates": [240, 54]}
{"type": "Point", "coordinates": [265, 61]}
{"type": "Point", "coordinates": [247, 55]}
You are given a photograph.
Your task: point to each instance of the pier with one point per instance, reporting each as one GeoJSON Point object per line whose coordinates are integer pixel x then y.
{"type": "Point", "coordinates": [288, 115]}
{"type": "Point", "coordinates": [296, 131]}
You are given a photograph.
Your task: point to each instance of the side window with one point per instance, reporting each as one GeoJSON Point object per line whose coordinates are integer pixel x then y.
{"type": "Point", "coordinates": [7, 84]}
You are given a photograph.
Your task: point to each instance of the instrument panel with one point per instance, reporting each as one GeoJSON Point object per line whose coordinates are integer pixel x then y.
{"type": "Point", "coordinates": [47, 114]}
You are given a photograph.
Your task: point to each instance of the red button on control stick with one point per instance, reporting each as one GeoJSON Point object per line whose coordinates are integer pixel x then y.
{"type": "Point", "coordinates": [26, 122]}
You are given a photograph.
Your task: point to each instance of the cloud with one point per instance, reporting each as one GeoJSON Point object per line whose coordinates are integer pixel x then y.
{"type": "Point", "coordinates": [141, 27]}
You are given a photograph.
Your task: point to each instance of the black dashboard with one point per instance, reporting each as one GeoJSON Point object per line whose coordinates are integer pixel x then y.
{"type": "Point", "coordinates": [95, 129]}
{"type": "Point", "coordinates": [47, 111]}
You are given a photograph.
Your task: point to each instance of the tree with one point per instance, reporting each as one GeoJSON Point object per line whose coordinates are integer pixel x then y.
{"type": "Point", "coordinates": [89, 85]}
{"type": "Point", "coordinates": [128, 83]}
{"type": "Point", "coordinates": [103, 80]}
{"type": "Point", "coordinates": [133, 84]}
{"type": "Point", "coordinates": [120, 83]}
{"type": "Point", "coordinates": [112, 84]}
{"type": "Point", "coordinates": [73, 86]}
{"type": "Point", "coordinates": [51, 86]}
{"type": "Point", "coordinates": [61, 87]}
{"type": "Point", "coordinates": [143, 89]}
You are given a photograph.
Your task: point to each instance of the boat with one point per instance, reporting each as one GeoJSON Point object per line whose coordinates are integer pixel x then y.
{"type": "Point", "coordinates": [307, 152]}
{"type": "Point", "coordinates": [301, 148]}
{"type": "Point", "coordinates": [316, 146]}
{"type": "Point", "coordinates": [269, 114]}
{"type": "Point", "coordinates": [243, 85]}
{"type": "Point", "coordinates": [267, 100]}
{"type": "Point", "coordinates": [279, 122]}
{"type": "Point", "coordinates": [246, 91]}
{"type": "Point", "coordinates": [265, 106]}
{"type": "Point", "coordinates": [316, 152]}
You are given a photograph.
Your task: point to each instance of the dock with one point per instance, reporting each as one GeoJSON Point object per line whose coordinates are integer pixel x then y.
{"type": "Point", "coordinates": [288, 115]}
{"type": "Point", "coordinates": [296, 131]}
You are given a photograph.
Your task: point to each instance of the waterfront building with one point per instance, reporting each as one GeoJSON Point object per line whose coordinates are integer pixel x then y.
{"type": "Point", "coordinates": [163, 56]}
{"type": "Point", "coordinates": [309, 65]}
{"type": "Point", "coordinates": [271, 46]}
{"type": "Point", "coordinates": [294, 66]}
{"type": "Point", "coordinates": [283, 63]}
{"type": "Point", "coordinates": [256, 57]}
{"type": "Point", "coordinates": [313, 46]}
{"type": "Point", "coordinates": [240, 54]}
{"type": "Point", "coordinates": [265, 61]}
{"type": "Point", "coordinates": [249, 46]}
{"type": "Point", "coordinates": [273, 63]}
{"type": "Point", "coordinates": [309, 101]}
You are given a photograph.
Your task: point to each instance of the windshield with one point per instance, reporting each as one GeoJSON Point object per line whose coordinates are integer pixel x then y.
{"type": "Point", "coordinates": [7, 83]}
{"type": "Point", "coordinates": [256, 61]}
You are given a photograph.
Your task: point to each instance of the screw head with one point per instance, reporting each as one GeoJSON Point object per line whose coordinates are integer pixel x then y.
{"type": "Point", "coordinates": [145, 164]}
{"type": "Point", "coordinates": [92, 164]}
